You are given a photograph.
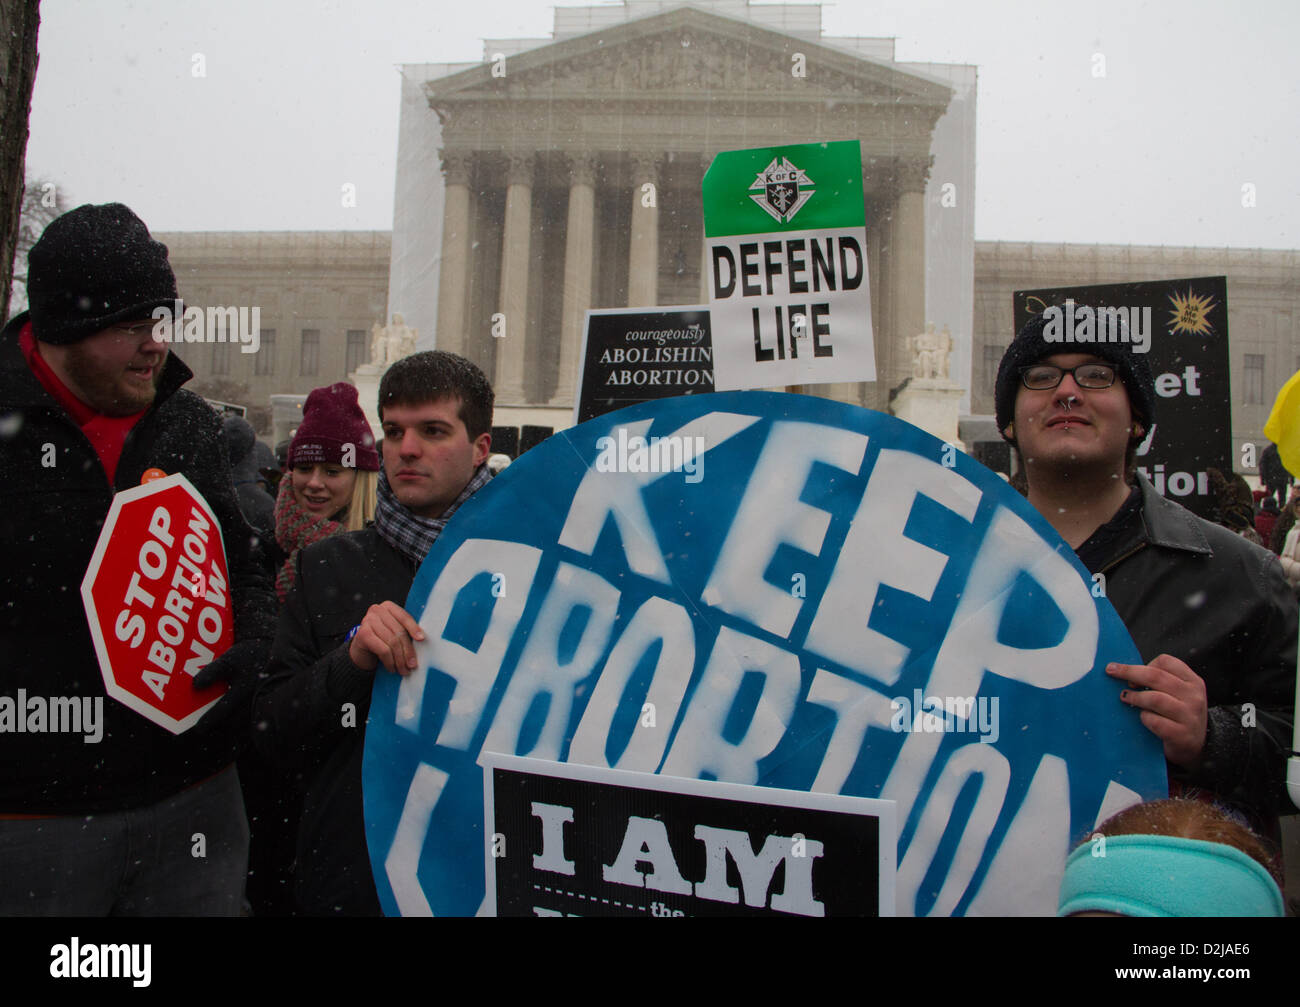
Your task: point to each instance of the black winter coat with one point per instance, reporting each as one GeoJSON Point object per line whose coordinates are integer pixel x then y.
{"type": "Point", "coordinates": [1201, 593]}
{"type": "Point", "coordinates": [311, 711]}
{"type": "Point", "coordinates": [50, 520]}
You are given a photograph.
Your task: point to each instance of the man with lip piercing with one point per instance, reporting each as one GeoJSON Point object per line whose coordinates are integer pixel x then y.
{"type": "Point", "coordinates": [1210, 613]}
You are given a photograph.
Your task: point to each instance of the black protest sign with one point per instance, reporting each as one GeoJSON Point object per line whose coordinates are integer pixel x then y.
{"type": "Point", "coordinates": [635, 355]}
{"type": "Point", "coordinates": [574, 840]}
{"type": "Point", "coordinates": [1182, 328]}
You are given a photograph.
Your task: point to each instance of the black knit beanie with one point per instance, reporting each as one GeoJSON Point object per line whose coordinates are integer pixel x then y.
{"type": "Point", "coordinates": [93, 267]}
{"type": "Point", "coordinates": [1029, 347]}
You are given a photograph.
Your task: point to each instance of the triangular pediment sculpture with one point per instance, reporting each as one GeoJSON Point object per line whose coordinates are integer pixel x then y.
{"type": "Point", "coordinates": [688, 54]}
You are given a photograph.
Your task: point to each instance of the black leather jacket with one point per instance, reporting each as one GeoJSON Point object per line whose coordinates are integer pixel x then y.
{"type": "Point", "coordinates": [1198, 592]}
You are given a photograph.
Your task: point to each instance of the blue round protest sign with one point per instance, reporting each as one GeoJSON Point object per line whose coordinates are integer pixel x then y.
{"type": "Point", "coordinates": [772, 589]}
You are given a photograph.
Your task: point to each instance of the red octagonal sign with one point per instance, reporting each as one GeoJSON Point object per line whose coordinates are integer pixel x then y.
{"type": "Point", "coordinates": [158, 601]}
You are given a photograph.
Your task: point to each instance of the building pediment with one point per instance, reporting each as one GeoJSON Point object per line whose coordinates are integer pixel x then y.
{"type": "Point", "coordinates": [688, 55]}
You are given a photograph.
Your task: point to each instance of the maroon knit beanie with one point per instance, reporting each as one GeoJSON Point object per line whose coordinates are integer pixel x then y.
{"type": "Point", "coordinates": [331, 421]}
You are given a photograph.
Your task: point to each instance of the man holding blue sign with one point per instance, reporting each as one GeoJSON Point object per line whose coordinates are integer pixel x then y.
{"type": "Point", "coordinates": [344, 616]}
{"type": "Point", "coordinates": [1210, 613]}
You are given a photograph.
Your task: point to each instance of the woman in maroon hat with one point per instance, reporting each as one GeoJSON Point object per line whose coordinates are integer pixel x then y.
{"type": "Point", "coordinates": [330, 485]}
{"type": "Point", "coordinates": [333, 476]}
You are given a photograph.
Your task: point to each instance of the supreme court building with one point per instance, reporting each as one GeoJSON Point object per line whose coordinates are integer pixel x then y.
{"type": "Point", "coordinates": [561, 174]}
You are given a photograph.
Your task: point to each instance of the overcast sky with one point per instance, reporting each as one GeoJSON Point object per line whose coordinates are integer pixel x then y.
{"type": "Point", "coordinates": [301, 96]}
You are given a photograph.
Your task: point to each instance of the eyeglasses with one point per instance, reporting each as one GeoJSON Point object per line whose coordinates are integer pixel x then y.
{"type": "Point", "coordinates": [139, 329]}
{"type": "Point", "coordinates": [1040, 377]}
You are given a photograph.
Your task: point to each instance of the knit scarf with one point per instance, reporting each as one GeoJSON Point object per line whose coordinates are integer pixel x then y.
{"type": "Point", "coordinates": [296, 527]}
{"type": "Point", "coordinates": [414, 536]}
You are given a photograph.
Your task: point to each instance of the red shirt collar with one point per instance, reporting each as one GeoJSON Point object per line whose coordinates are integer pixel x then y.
{"type": "Point", "coordinates": [51, 382]}
{"type": "Point", "coordinates": [107, 434]}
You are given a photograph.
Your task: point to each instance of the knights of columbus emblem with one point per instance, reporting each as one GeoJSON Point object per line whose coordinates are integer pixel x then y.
{"type": "Point", "coordinates": [782, 189]}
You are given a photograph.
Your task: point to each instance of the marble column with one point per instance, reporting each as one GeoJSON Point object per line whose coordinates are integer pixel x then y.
{"type": "Point", "coordinates": [851, 392]}
{"type": "Point", "coordinates": [907, 273]}
{"type": "Point", "coordinates": [578, 246]}
{"type": "Point", "coordinates": [453, 284]}
{"type": "Point", "coordinates": [875, 264]}
{"type": "Point", "coordinates": [861, 393]}
{"type": "Point", "coordinates": [513, 300]}
{"type": "Point", "coordinates": [877, 272]}
{"type": "Point", "coordinates": [705, 275]}
{"type": "Point", "coordinates": [643, 255]}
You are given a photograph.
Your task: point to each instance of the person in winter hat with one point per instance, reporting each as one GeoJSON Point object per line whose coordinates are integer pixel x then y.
{"type": "Point", "coordinates": [1175, 857]}
{"type": "Point", "coordinates": [1032, 346]}
{"type": "Point", "coordinates": [332, 475]}
{"type": "Point", "coordinates": [256, 503]}
{"type": "Point", "coordinates": [1210, 613]}
{"type": "Point", "coordinates": [1266, 518]}
{"type": "Point", "coordinates": [329, 488]}
{"type": "Point", "coordinates": [101, 821]}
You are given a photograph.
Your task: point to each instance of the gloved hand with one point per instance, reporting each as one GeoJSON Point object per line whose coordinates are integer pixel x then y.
{"type": "Point", "coordinates": [242, 666]}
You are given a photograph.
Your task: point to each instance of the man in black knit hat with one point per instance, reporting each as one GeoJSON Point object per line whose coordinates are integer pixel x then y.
{"type": "Point", "coordinates": [109, 823]}
{"type": "Point", "coordinates": [1209, 612]}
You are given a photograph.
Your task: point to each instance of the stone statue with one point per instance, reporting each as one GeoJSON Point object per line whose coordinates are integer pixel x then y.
{"type": "Point", "coordinates": [378, 344]}
{"type": "Point", "coordinates": [401, 339]}
{"type": "Point", "coordinates": [930, 351]}
{"type": "Point", "coordinates": [390, 343]}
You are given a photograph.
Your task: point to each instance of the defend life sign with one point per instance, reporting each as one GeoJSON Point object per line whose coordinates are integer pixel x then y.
{"type": "Point", "coordinates": [1181, 327]}
{"type": "Point", "coordinates": [157, 601]}
{"type": "Point", "coordinates": [571, 840]}
{"type": "Point", "coordinates": [762, 589]}
{"type": "Point", "coordinates": [785, 233]}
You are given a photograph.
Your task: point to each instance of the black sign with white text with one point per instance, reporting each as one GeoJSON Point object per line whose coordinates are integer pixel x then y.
{"type": "Point", "coordinates": [1182, 328]}
{"type": "Point", "coordinates": [636, 355]}
{"type": "Point", "coordinates": [566, 840]}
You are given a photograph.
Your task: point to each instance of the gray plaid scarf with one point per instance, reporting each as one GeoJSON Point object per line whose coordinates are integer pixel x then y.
{"type": "Point", "coordinates": [414, 536]}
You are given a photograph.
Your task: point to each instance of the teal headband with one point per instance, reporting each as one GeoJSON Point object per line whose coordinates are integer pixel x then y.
{"type": "Point", "coordinates": [1146, 875]}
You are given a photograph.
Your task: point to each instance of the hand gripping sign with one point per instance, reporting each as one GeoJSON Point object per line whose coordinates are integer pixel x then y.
{"type": "Point", "coordinates": [762, 588]}
{"type": "Point", "coordinates": [157, 601]}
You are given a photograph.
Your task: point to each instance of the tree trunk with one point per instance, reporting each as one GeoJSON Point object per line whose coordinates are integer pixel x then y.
{"type": "Point", "coordinates": [19, 20]}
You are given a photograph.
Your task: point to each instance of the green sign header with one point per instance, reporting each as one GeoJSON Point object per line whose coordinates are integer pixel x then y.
{"type": "Point", "coordinates": [801, 187]}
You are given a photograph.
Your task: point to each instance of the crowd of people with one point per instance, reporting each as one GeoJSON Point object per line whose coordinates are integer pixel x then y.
{"type": "Point", "coordinates": [322, 551]}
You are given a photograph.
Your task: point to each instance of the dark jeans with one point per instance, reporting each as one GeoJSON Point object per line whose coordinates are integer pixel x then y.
{"type": "Point", "coordinates": [184, 856]}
